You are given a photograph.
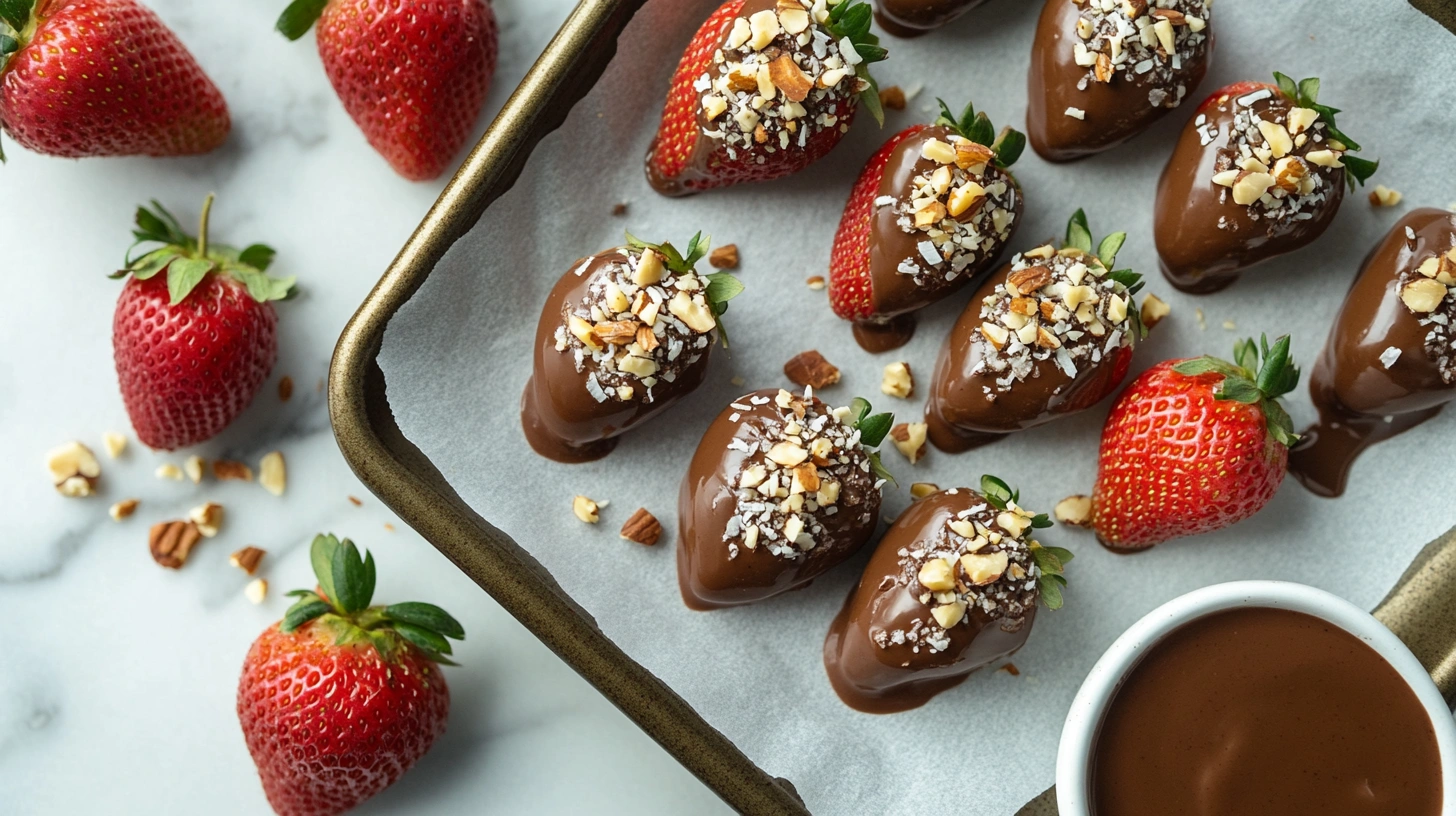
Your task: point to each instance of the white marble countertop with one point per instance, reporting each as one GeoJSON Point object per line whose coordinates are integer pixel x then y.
{"type": "Point", "coordinates": [118, 677]}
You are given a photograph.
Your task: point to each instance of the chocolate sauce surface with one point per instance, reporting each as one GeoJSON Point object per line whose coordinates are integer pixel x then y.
{"type": "Point", "coordinates": [718, 563]}
{"type": "Point", "coordinates": [1361, 399]}
{"type": "Point", "coordinates": [561, 418]}
{"type": "Point", "coordinates": [886, 652]}
{"type": "Point", "coordinates": [912, 18]}
{"type": "Point", "coordinates": [1257, 711]}
{"type": "Point", "coordinates": [1205, 239]}
{"type": "Point", "coordinates": [1142, 88]}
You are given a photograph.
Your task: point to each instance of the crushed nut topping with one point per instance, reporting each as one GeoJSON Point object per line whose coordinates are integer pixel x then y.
{"type": "Point", "coordinates": [979, 559]}
{"type": "Point", "coordinates": [1276, 159]}
{"type": "Point", "coordinates": [639, 324]}
{"type": "Point", "coordinates": [780, 79]}
{"type": "Point", "coordinates": [802, 463]}
{"type": "Point", "coordinates": [1056, 305]}
{"type": "Point", "coordinates": [1143, 42]}
{"type": "Point", "coordinates": [1426, 290]}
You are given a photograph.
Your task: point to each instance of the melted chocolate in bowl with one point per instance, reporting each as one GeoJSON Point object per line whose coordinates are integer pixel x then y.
{"type": "Point", "coordinates": [1265, 711]}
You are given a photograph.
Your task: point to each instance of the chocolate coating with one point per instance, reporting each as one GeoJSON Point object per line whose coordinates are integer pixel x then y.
{"type": "Point", "coordinates": [1114, 111]}
{"type": "Point", "coordinates": [1352, 388]}
{"type": "Point", "coordinates": [717, 569]}
{"type": "Point", "coordinates": [561, 419]}
{"type": "Point", "coordinates": [1204, 238]}
{"type": "Point", "coordinates": [958, 413]}
{"type": "Point", "coordinates": [912, 18]}
{"type": "Point", "coordinates": [1264, 711]}
{"type": "Point", "coordinates": [868, 668]}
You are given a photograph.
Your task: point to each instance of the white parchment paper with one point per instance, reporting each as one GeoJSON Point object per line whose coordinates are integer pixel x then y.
{"type": "Point", "coordinates": [458, 354]}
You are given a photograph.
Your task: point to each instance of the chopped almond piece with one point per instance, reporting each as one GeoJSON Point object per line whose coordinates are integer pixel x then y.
{"type": "Point", "coordinates": [642, 528]}
{"type": "Point", "coordinates": [788, 77]}
{"type": "Point", "coordinates": [724, 257]}
{"type": "Point", "coordinates": [1154, 310]}
{"type": "Point", "coordinates": [247, 559]}
{"type": "Point", "coordinates": [892, 98]}
{"type": "Point", "coordinates": [898, 381]}
{"type": "Point", "coordinates": [224, 469]}
{"type": "Point", "coordinates": [1074, 510]}
{"type": "Point", "coordinates": [811, 369]}
{"type": "Point", "coordinates": [1031, 279]}
{"type": "Point", "coordinates": [909, 439]}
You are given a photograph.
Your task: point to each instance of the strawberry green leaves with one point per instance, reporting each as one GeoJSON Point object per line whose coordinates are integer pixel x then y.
{"type": "Point", "coordinates": [346, 581]}
{"type": "Point", "coordinates": [14, 22]}
{"type": "Point", "coordinates": [1079, 236]}
{"type": "Point", "coordinates": [872, 430]}
{"type": "Point", "coordinates": [851, 20]}
{"type": "Point", "coordinates": [1305, 93]}
{"type": "Point", "coordinates": [1252, 382]}
{"type": "Point", "coordinates": [299, 17]}
{"type": "Point", "coordinates": [188, 260]}
{"type": "Point", "coordinates": [976, 126]}
{"type": "Point", "coordinates": [1051, 562]}
{"type": "Point", "coordinates": [999, 495]}
{"type": "Point", "coordinates": [720, 287]}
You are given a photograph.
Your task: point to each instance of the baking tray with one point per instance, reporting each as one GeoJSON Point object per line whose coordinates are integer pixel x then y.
{"type": "Point", "coordinates": [395, 470]}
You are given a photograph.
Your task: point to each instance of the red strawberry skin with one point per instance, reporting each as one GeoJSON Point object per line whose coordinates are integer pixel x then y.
{"type": "Point", "coordinates": [412, 74]}
{"type": "Point", "coordinates": [1175, 461]}
{"type": "Point", "coordinates": [850, 288]}
{"type": "Point", "coordinates": [1235, 89]}
{"type": "Point", "coordinates": [670, 160]}
{"type": "Point", "coordinates": [108, 78]}
{"type": "Point", "coordinates": [331, 726]}
{"type": "Point", "coordinates": [187, 370]}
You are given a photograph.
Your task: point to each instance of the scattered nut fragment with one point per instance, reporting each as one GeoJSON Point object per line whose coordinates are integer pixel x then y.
{"type": "Point", "coordinates": [919, 490]}
{"type": "Point", "coordinates": [898, 381]}
{"type": "Point", "coordinates": [354, 500]}
{"type": "Point", "coordinates": [1423, 295]}
{"type": "Point", "coordinates": [115, 443]}
{"type": "Point", "coordinates": [272, 473]}
{"type": "Point", "coordinates": [1031, 279]}
{"type": "Point", "coordinates": [1102, 68]}
{"type": "Point", "coordinates": [642, 527]}
{"type": "Point", "coordinates": [892, 98]}
{"type": "Point", "coordinates": [172, 541]}
{"type": "Point", "coordinates": [285, 389]}
{"type": "Point", "coordinates": [810, 368]}
{"type": "Point", "coordinates": [208, 518]}
{"type": "Point", "coordinates": [225, 469]}
{"type": "Point", "coordinates": [909, 439]}
{"type": "Point", "coordinates": [788, 454]}
{"type": "Point", "coordinates": [788, 77]}
{"type": "Point", "coordinates": [123, 509]}
{"type": "Point", "coordinates": [724, 257]}
{"type": "Point", "coordinates": [1250, 185]}
{"type": "Point", "coordinates": [167, 470]}
{"type": "Point", "coordinates": [994, 333]}
{"type": "Point", "coordinates": [972, 156]}
{"type": "Point", "coordinates": [586, 509]}
{"type": "Point", "coordinates": [74, 469]}
{"type": "Point", "coordinates": [192, 466]}
{"type": "Point", "coordinates": [256, 591]}
{"type": "Point", "coordinates": [1074, 510]}
{"type": "Point", "coordinates": [1324, 158]}
{"type": "Point", "coordinates": [1383, 196]}
{"type": "Point", "coordinates": [948, 615]}
{"type": "Point", "coordinates": [649, 268]}
{"type": "Point", "coordinates": [816, 282]}
{"type": "Point", "coordinates": [937, 575]}
{"type": "Point", "coordinates": [247, 559]}
{"type": "Point", "coordinates": [619, 209]}
{"type": "Point", "coordinates": [984, 569]}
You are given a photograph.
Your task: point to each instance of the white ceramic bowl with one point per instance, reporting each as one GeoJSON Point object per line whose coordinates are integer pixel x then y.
{"type": "Point", "coordinates": [1102, 683]}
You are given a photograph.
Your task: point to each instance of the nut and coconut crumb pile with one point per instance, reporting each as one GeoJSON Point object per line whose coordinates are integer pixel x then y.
{"type": "Point", "coordinates": [1141, 42]}
{"type": "Point", "coordinates": [1428, 291]}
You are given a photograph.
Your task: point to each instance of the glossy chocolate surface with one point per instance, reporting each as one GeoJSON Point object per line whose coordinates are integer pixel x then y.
{"type": "Point", "coordinates": [1114, 111]}
{"type": "Point", "coordinates": [561, 419]}
{"type": "Point", "coordinates": [1205, 240]}
{"type": "Point", "coordinates": [718, 570]}
{"type": "Point", "coordinates": [1361, 401]}
{"type": "Point", "coordinates": [912, 18]}
{"type": "Point", "coordinates": [877, 672]}
{"type": "Point", "coordinates": [1265, 711]}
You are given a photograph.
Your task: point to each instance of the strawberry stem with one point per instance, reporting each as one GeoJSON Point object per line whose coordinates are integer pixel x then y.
{"type": "Point", "coordinates": [202, 226]}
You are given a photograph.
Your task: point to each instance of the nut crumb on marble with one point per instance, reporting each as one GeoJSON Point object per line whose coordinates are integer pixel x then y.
{"type": "Point", "coordinates": [1075, 510]}
{"type": "Point", "coordinates": [247, 559]}
{"type": "Point", "coordinates": [898, 381]}
{"type": "Point", "coordinates": [114, 443]}
{"type": "Point", "coordinates": [586, 509]}
{"type": "Point", "coordinates": [226, 469]}
{"type": "Point", "coordinates": [208, 518]}
{"type": "Point", "coordinates": [724, 257]}
{"type": "Point", "coordinates": [167, 470]}
{"type": "Point", "coordinates": [273, 473]}
{"type": "Point", "coordinates": [256, 591]}
{"type": "Point", "coordinates": [909, 439]}
{"type": "Point", "coordinates": [171, 542]}
{"type": "Point", "coordinates": [74, 469]}
{"type": "Point", "coordinates": [192, 466]}
{"type": "Point", "coordinates": [123, 509]}
{"type": "Point", "coordinates": [642, 528]}
{"type": "Point", "coordinates": [285, 389]}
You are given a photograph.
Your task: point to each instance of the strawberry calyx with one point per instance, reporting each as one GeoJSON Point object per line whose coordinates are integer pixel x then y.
{"type": "Point", "coordinates": [188, 260]}
{"type": "Point", "coordinates": [1259, 375]}
{"type": "Point", "coordinates": [720, 287]}
{"type": "Point", "coordinates": [17, 27]}
{"type": "Point", "coordinates": [1050, 561]}
{"type": "Point", "coordinates": [1305, 93]}
{"type": "Point", "coordinates": [299, 17]}
{"type": "Point", "coordinates": [977, 127]}
{"type": "Point", "coordinates": [1079, 236]}
{"type": "Point", "coordinates": [340, 605]}
{"type": "Point", "coordinates": [850, 19]}
{"type": "Point", "coordinates": [872, 430]}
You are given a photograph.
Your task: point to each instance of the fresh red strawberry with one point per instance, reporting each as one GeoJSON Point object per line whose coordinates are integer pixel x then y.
{"type": "Point", "coordinates": [711, 134]}
{"type": "Point", "coordinates": [102, 78]}
{"type": "Point", "coordinates": [413, 74]}
{"type": "Point", "coordinates": [1232, 89]}
{"type": "Point", "coordinates": [1193, 446]}
{"type": "Point", "coordinates": [879, 240]}
{"type": "Point", "coordinates": [193, 345]}
{"type": "Point", "coordinates": [339, 699]}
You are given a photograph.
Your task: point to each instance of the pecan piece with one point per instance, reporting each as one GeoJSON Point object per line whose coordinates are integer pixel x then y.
{"type": "Point", "coordinates": [1030, 279]}
{"type": "Point", "coordinates": [724, 257]}
{"type": "Point", "coordinates": [247, 559]}
{"type": "Point", "coordinates": [642, 528]}
{"type": "Point", "coordinates": [810, 368]}
{"type": "Point", "coordinates": [788, 77]}
{"type": "Point", "coordinates": [172, 541]}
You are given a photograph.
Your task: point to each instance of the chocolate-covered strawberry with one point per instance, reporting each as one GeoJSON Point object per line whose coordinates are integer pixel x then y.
{"type": "Point", "coordinates": [1049, 334]}
{"type": "Point", "coordinates": [1259, 171]}
{"type": "Point", "coordinates": [931, 210]}
{"type": "Point", "coordinates": [624, 334]}
{"type": "Point", "coordinates": [781, 488]}
{"type": "Point", "coordinates": [951, 588]}
{"type": "Point", "coordinates": [1102, 71]}
{"type": "Point", "coordinates": [911, 18]}
{"type": "Point", "coordinates": [1390, 361]}
{"type": "Point", "coordinates": [764, 89]}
